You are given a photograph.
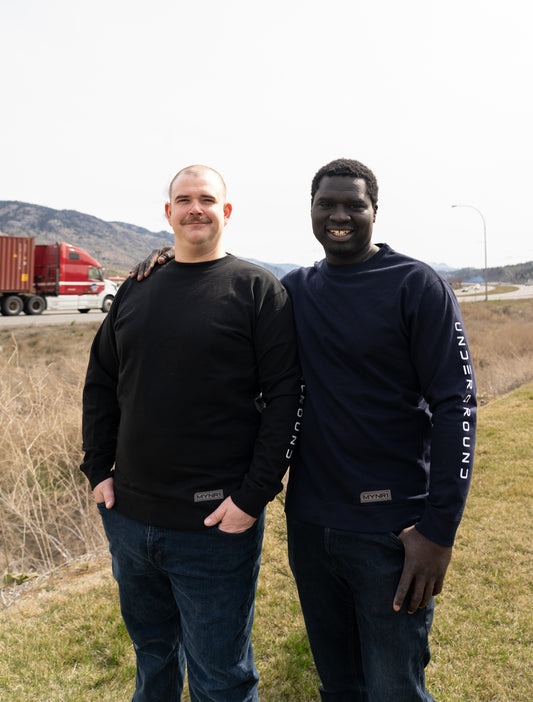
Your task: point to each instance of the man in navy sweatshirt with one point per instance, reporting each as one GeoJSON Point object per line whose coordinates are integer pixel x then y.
{"type": "Point", "coordinates": [379, 481]}
{"type": "Point", "coordinates": [378, 486]}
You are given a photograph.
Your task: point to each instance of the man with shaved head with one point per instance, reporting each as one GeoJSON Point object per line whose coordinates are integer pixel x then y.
{"type": "Point", "coordinates": [189, 409]}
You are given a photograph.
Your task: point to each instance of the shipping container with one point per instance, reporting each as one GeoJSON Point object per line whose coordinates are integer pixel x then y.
{"type": "Point", "coordinates": [17, 256]}
{"type": "Point", "coordinates": [35, 277]}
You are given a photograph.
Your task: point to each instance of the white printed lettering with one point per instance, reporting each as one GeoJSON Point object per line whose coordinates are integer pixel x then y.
{"type": "Point", "coordinates": [299, 413]}
{"type": "Point", "coordinates": [467, 412]}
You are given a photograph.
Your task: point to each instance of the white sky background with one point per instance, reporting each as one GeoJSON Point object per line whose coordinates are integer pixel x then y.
{"type": "Point", "coordinates": [103, 101]}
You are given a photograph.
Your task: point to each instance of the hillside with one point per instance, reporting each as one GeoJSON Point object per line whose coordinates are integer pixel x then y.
{"type": "Point", "coordinates": [481, 640]}
{"type": "Point", "coordinates": [65, 608]}
{"type": "Point", "coordinates": [519, 274]}
{"type": "Point", "coordinates": [116, 245]}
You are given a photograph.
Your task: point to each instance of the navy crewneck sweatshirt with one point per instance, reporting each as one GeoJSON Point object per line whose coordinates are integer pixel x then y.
{"type": "Point", "coordinates": [387, 438]}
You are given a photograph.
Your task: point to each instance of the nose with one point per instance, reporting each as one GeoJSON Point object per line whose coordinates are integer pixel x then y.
{"type": "Point", "coordinates": [195, 207]}
{"type": "Point", "coordinates": [339, 214]}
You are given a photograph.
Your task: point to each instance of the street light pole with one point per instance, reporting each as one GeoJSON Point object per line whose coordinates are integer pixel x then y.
{"type": "Point", "coordinates": [484, 242]}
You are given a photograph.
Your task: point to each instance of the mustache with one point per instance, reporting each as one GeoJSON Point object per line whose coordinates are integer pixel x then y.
{"type": "Point", "coordinates": [195, 220]}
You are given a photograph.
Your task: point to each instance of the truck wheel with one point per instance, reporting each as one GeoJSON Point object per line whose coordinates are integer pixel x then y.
{"type": "Point", "coordinates": [106, 304]}
{"type": "Point", "coordinates": [11, 305]}
{"type": "Point", "coordinates": [34, 305]}
{"type": "Point", "coordinates": [84, 311]}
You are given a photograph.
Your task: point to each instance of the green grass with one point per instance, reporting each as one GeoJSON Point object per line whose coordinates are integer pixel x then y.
{"type": "Point", "coordinates": [71, 647]}
{"type": "Point", "coordinates": [65, 640]}
{"type": "Point", "coordinates": [494, 290]}
{"type": "Point", "coordinates": [500, 289]}
{"type": "Point", "coordinates": [482, 639]}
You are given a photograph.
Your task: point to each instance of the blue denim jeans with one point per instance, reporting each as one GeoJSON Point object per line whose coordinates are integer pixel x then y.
{"type": "Point", "coordinates": [187, 598]}
{"type": "Point", "coordinates": [364, 651]}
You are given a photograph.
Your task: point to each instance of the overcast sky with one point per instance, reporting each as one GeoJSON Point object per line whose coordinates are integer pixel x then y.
{"type": "Point", "coordinates": [104, 100]}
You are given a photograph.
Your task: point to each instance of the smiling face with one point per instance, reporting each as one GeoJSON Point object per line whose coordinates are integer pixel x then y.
{"type": "Point", "coordinates": [198, 213]}
{"type": "Point", "coordinates": [343, 217]}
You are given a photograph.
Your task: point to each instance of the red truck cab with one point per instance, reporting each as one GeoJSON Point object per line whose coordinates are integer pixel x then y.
{"type": "Point", "coordinates": [63, 269]}
{"type": "Point", "coordinates": [36, 277]}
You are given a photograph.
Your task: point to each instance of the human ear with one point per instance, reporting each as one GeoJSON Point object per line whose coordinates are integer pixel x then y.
{"type": "Point", "coordinates": [228, 209]}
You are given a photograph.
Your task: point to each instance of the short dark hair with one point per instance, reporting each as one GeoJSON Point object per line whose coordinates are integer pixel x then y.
{"type": "Point", "coordinates": [348, 167]}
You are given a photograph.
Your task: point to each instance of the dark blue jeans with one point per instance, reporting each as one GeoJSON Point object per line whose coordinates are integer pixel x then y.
{"type": "Point", "coordinates": [364, 651]}
{"type": "Point", "coordinates": [187, 597]}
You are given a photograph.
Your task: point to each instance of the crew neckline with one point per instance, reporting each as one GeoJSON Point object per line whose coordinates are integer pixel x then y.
{"type": "Point", "coordinates": [213, 263]}
{"type": "Point", "coordinates": [350, 268]}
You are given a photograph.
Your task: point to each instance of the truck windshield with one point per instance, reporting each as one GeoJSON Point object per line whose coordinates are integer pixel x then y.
{"type": "Point", "coordinates": [95, 273]}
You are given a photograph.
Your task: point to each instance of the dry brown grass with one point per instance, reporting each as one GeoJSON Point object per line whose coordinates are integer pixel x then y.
{"type": "Point", "coordinates": [43, 496]}
{"type": "Point", "coordinates": [501, 341]}
{"type": "Point", "coordinates": [482, 638]}
{"type": "Point", "coordinates": [45, 515]}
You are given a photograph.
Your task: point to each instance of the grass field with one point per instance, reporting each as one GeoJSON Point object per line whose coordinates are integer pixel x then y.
{"type": "Point", "coordinates": [482, 639]}
{"type": "Point", "coordinates": [61, 634]}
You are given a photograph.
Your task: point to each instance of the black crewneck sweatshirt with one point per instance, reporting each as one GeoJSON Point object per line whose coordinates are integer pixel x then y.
{"type": "Point", "coordinates": [170, 397]}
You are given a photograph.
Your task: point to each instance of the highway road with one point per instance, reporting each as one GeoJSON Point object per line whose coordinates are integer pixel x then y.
{"type": "Point", "coordinates": [476, 294]}
{"type": "Point", "coordinates": [47, 318]}
{"type": "Point", "coordinates": [96, 316]}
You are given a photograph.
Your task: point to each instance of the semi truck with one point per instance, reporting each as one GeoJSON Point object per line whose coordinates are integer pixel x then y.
{"type": "Point", "coordinates": [37, 277]}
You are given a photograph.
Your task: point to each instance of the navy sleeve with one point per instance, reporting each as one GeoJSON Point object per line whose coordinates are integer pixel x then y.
{"type": "Point", "coordinates": [443, 361]}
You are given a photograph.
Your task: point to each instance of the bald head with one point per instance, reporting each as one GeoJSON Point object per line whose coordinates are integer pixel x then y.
{"type": "Point", "coordinates": [199, 171]}
{"type": "Point", "coordinates": [197, 211]}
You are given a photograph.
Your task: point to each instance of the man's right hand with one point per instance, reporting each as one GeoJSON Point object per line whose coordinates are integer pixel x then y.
{"type": "Point", "coordinates": [104, 492]}
{"type": "Point", "coordinates": [424, 569]}
{"type": "Point", "coordinates": [160, 256]}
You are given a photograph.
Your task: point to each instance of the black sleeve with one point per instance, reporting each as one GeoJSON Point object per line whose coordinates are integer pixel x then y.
{"type": "Point", "coordinates": [101, 413]}
{"type": "Point", "coordinates": [280, 379]}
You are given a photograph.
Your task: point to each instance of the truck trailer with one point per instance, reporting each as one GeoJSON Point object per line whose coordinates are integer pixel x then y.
{"type": "Point", "coordinates": [38, 277]}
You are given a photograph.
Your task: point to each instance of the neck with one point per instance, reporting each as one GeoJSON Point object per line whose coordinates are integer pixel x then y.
{"type": "Point", "coordinates": [359, 258]}
{"type": "Point", "coordinates": [198, 254]}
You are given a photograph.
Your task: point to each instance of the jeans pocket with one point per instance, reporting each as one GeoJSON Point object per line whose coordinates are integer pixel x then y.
{"type": "Point", "coordinates": [236, 534]}
{"type": "Point", "coordinates": [396, 540]}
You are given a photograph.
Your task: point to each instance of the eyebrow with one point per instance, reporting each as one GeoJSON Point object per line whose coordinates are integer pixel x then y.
{"type": "Point", "coordinates": [185, 196]}
{"type": "Point", "coordinates": [352, 201]}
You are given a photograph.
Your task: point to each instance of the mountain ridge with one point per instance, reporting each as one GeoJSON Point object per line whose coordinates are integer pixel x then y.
{"type": "Point", "coordinates": [118, 246]}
